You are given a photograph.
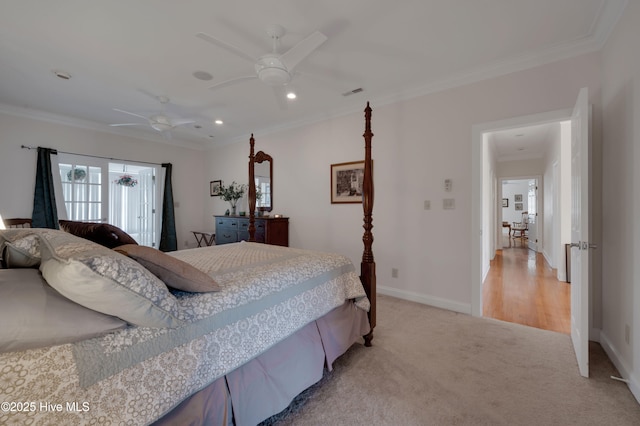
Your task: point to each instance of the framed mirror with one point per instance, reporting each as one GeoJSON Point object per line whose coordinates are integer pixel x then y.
{"type": "Point", "coordinates": [263, 175]}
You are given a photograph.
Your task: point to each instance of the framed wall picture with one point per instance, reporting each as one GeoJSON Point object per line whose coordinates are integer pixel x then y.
{"type": "Point", "coordinates": [214, 187]}
{"type": "Point", "coordinates": [517, 198]}
{"type": "Point", "coordinates": [518, 206]}
{"type": "Point", "coordinates": [346, 182]}
{"type": "Point", "coordinates": [505, 202]}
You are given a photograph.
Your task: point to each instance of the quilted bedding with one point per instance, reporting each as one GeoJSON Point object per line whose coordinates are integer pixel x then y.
{"type": "Point", "coordinates": [136, 375]}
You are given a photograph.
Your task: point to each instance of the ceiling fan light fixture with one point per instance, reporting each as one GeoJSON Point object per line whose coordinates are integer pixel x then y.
{"type": "Point", "coordinates": [272, 71]}
{"type": "Point", "coordinates": [160, 123]}
{"type": "Point", "coordinates": [161, 127]}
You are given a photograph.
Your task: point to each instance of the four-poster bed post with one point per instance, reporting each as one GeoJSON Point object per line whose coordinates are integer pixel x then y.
{"type": "Point", "coordinates": [252, 191]}
{"type": "Point", "coordinates": [368, 265]}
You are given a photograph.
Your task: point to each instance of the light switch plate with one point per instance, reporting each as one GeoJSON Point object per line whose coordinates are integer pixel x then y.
{"type": "Point", "coordinates": [448, 203]}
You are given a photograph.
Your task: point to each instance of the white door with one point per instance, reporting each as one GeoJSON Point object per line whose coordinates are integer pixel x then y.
{"type": "Point", "coordinates": [580, 139]}
{"type": "Point", "coordinates": [532, 205]}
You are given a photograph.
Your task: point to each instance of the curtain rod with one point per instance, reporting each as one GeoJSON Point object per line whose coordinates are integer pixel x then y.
{"type": "Point", "coordinates": [55, 151]}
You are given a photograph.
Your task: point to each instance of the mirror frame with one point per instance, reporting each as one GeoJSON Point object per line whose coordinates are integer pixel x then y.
{"type": "Point", "coordinates": [261, 157]}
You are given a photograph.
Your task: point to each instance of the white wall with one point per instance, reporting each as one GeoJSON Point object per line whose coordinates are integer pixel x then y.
{"type": "Point", "coordinates": [418, 143]}
{"type": "Point", "coordinates": [18, 166]}
{"type": "Point", "coordinates": [621, 196]}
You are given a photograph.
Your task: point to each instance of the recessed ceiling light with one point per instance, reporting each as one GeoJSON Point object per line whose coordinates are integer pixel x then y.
{"type": "Point", "coordinates": [291, 95]}
{"type": "Point", "coordinates": [62, 74]}
{"type": "Point", "coordinates": [202, 75]}
{"type": "Point", "coordinates": [519, 135]}
{"type": "Point", "coordinates": [219, 122]}
{"type": "Point", "coordinates": [197, 126]}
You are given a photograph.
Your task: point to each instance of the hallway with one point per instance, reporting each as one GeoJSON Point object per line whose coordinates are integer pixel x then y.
{"type": "Point", "coordinates": [521, 288]}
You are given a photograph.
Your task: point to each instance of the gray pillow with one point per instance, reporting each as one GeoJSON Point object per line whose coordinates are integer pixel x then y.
{"type": "Point", "coordinates": [20, 247]}
{"type": "Point", "coordinates": [34, 315]}
{"type": "Point", "coordinates": [106, 281]}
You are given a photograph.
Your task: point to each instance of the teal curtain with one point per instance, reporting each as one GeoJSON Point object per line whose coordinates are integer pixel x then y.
{"type": "Point", "coordinates": [168, 239]}
{"type": "Point", "coordinates": [45, 213]}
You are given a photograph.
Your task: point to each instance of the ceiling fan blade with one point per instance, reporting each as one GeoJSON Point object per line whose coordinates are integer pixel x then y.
{"type": "Point", "coordinates": [130, 113]}
{"type": "Point", "coordinates": [127, 124]}
{"type": "Point", "coordinates": [232, 81]}
{"type": "Point", "coordinates": [292, 57]}
{"type": "Point", "coordinates": [181, 122]}
{"type": "Point", "coordinates": [228, 47]}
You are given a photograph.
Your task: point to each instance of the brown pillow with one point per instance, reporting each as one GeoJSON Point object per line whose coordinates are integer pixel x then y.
{"type": "Point", "coordinates": [174, 272]}
{"type": "Point", "coordinates": [102, 233]}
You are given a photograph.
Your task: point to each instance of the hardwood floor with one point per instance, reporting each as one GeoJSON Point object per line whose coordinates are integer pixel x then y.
{"type": "Point", "coordinates": [521, 288]}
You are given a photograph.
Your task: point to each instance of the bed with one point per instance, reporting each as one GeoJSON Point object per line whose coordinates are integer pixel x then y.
{"type": "Point", "coordinates": [214, 335]}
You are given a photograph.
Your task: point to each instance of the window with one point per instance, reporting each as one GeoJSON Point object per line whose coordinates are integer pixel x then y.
{"type": "Point", "coordinates": [123, 194]}
{"type": "Point", "coordinates": [82, 189]}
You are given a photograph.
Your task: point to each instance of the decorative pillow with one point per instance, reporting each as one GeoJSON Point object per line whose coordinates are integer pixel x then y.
{"type": "Point", "coordinates": [174, 272]}
{"type": "Point", "coordinates": [106, 281]}
{"type": "Point", "coordinates": [20, 248]}
{"type": "Point", "coordinates": [33, 315]}
{"type": "Point", "coordinates": [101, 233]}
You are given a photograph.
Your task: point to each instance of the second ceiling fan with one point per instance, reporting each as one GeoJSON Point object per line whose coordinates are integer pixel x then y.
{"type": "Point", "coordinates": [159, 121]}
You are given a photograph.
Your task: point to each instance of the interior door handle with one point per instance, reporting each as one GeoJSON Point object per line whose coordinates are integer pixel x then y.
{"type": "Point", "coordinates": [574, 245]}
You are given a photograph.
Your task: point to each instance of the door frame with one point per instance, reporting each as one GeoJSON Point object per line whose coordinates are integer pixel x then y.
{"type": "Point", "coordinates": [481, 202]}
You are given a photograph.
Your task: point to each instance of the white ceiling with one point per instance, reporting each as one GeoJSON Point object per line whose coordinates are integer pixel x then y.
{"type": "Point", "coordinates": [522, 143]}
{"type": "Point", "coordinates": [123, 53]}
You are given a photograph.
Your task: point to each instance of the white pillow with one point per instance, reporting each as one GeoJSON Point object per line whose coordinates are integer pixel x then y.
{"type": "Point", "coordinates": [106, 281]}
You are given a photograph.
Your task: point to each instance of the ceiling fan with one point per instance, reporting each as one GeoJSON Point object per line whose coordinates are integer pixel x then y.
{"type": "Point", "coordinates": [273, 69]}
{"type": "Point", "coordinates": [159, 122]}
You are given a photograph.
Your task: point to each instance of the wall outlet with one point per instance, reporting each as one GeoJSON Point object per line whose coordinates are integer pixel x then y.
{"type": "Point", "coordinates": [394, 272]}
{"type": "Point", "coordinates": [186, 243]}
{"type": "Point", "coordinates": [427, 204]}
{"type": "Point", "coordinates": [627, 333]}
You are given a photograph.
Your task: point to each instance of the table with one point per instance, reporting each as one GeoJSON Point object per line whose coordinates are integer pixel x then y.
{"type": "Point", "coordinates": [507, 225]}
{"type": "Point", "coordinates": [204, 238]}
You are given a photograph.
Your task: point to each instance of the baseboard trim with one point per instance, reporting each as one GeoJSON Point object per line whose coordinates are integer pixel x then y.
{"type": "Point", "coordinates": [463, 308]}
{"type": "Point", "coordinates": [633, 382]}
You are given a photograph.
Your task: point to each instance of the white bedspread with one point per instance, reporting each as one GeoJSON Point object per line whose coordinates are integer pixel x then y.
{"type": "Point", "coordinates": [135, 375]}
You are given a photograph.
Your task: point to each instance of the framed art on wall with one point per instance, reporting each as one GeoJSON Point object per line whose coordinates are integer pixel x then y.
{"type": "Point", "coordinates": [505, 202]}
{"type": "Point", "coordinates": [517, 198]}
{"type": "Point", "coordinates": [214, 187]}
{"type": "Point", "coordinates": [346, 182]}
{"type": "Point", "coordinates": [518, 206]}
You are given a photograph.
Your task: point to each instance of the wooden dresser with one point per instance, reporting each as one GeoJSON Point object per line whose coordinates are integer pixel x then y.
{"type": "Point", "coordinates": [269, 230]}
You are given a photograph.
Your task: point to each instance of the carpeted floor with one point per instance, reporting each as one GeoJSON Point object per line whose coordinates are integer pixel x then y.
{"type": "Point", "coordinates": [430, 366]}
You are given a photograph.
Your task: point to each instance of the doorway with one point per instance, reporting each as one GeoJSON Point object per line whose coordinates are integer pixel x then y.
{"type": "Point", "coordinates": [487, 169]}
{"type": "Point", "coordinates": [520, 206]}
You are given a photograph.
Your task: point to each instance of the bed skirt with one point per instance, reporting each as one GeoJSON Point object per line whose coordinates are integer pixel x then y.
{"type": "Point", "coordinates": [268, 383]}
